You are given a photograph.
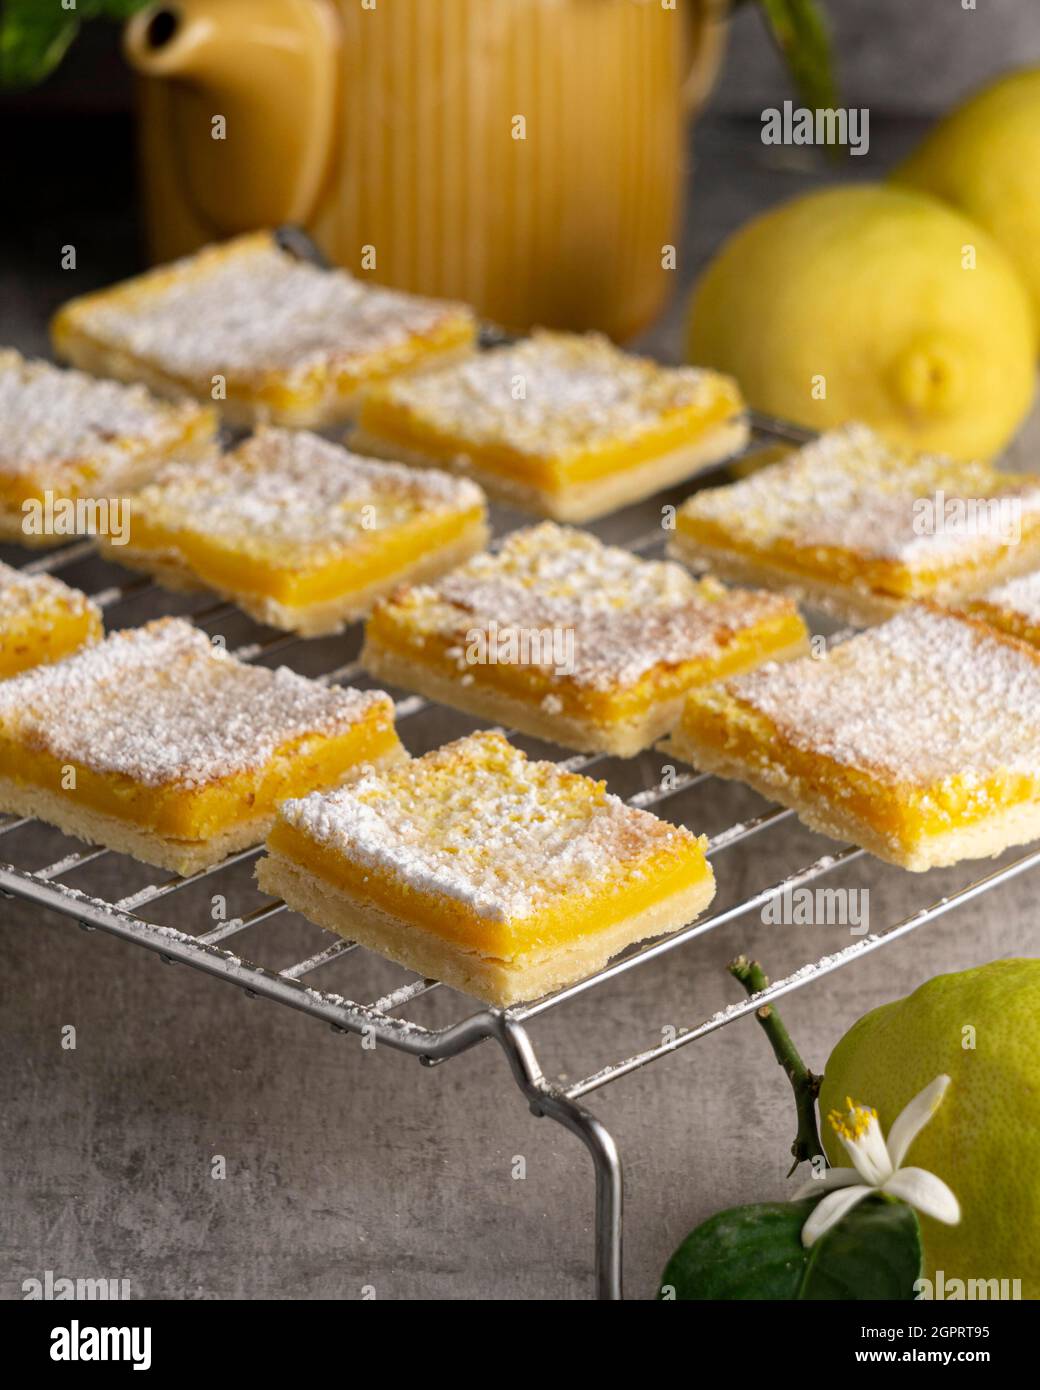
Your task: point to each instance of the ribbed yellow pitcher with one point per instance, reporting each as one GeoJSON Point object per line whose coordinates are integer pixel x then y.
{"type": "Point", "coordinates": [525, 156]}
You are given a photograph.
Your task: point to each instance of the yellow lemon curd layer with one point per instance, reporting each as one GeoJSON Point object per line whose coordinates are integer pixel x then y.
{"type": "Point", "coordinates": [564, 919]}
{"type": "Point", "coordinates": [278, 573]}
{"type": "Point", "coordinates": [390, 627]}
{"type": "Point", "coordinates": [397, 425]}
{"type": "Point", "coordinates": [900, 811]}
{"type": "Point", "coordinates": [49, 631]}
{"type": "Point", "coordinates": [198, 813]}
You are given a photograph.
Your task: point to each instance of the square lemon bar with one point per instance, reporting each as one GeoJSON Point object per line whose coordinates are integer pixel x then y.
{"type": "Point", "coordinates": [1013, 607]}
{"type": "Point", "coordinates": [918, 739]}
{"type": "Point", "coordinates": [570, 640]}
{"type": "Point", "coordinates": [41, 620]}
{"type": "Point", "coordinates": [860, 528]}
{"type": "Point", "coordinates": [503, 877]}
{"type": "Point", "coordinates": [160, 745]}
{"type": "Point", "coordinates": [564, 425]}
{"type": "Point", "coordinates": [67, 439]}
{"type": "Point", "coordinates": [300, 533]}
{"type": "Point", "coordinates": [268, 336]}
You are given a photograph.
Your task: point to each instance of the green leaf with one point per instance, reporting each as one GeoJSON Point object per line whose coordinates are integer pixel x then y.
{"type": "Point", "coordinates": [756, 1252]}
{"type": "Point", "coordinates": [35, 34]}
{"type": "Point", "coordinates": [802, 34]}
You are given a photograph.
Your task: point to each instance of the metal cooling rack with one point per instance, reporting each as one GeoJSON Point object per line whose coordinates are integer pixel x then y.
{"type": "Point", "coordinates": [384, 1019]}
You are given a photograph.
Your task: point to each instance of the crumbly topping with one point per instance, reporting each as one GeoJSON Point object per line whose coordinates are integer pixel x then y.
{"type": "Point", "coordinates": [1019, 597]}
{"type": "Point", "coordinates": [298, 496]}
{"type": "Point", "coordinates": [624, 616]}
{"type": "Point", "coordinates": [160, 704]}
{"type": "Point", "coordinates": [64, 421]}
{"type": "Point", "coordinates": [477, 822]}
{"type": "Point", "coordinates": [849, 490]}
{"type": "Point", "coordinates": [252, 308]}
{"type": "Point", "coordinates": [26, 596]}
{"type": "Point", "coordinates": [551, 393]}
{"type": "Point", "coordinates": [924, 697]}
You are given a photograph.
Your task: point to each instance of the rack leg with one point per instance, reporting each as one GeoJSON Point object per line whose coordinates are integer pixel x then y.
{"type": "Point", "coordinates": [546, 1100]}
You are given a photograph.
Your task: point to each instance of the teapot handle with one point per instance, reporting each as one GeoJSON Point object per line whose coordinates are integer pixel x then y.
{"type": "Point", "coordinates": [707, 21]}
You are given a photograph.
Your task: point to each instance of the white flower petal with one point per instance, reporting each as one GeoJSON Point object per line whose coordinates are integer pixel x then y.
{"type": "Point", "coordinates": [869, 1153]}
{"type": "Point", "coordinates": [913, 1118]}
{"type": "Point", "coordinates": [830, 1210]}
{"type": "Point", "coordinates": [832, 1178]}
{"type": "Point", "coordinates": [925, 1192]}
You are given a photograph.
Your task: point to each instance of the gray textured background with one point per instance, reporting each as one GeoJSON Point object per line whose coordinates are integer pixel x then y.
{"type": "Point", "coordinates": [348, 1168]}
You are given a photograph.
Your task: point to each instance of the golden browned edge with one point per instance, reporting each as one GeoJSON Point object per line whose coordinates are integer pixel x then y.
{"type": "Point", "coordinates": [852, 605]}
{"type": "Point", "coordinates": [73, 818]}
{"type": "Point", "coordinates": [495, 981]}
{"type": "Point", "coordinates": [579, 501]}
{"type": "Point", "coordinates": [623, 739]}
{"type": "Point", "coordinates": [333, 408]}
{"type": "Point", "coordinates": [317, 619]}
{"type": "Point", "coordinates": [1016, 825]}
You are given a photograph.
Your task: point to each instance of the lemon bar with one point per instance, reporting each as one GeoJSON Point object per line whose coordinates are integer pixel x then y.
{"type": "Point", "coordinates": [918, 739]}
{"type": "Point", "coordinates": [1013, 607]}
{"type": "Point", "coordinates": [70, 445]}
{"type": "Point", "coordinates": [570, 640]}
{"type": "Point", "coordinates": [267, 336]}
{"type": "Point", "coordinates": [41, 620]}
{"type": "Point", "coordinates": [860, 528]}
{"type": "Point", "coordinates": [158, 744]}
{"type": "Point", "coordinates": [300, 533]}
{"type": "Point", "coordinates": [564, 425]}
{"type": "Point", "coordinates": [503, 877]}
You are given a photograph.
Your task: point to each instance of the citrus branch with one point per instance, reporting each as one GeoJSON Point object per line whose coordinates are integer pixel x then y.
{"type": "Point", "coordinates": [804, 1083]}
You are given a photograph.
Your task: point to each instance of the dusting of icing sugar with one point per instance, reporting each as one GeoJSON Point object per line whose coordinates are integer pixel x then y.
{"type": "Point", "coordinates": [477, 822]}
{"type": "Point", "coordinates": [253, 308]}
{"type": "Point", "coordinates": [1020, 597]}
{"type": "Point", "coordinates": [25, 595]}
{"type": "Point", "coordinates": [578, 390]}
{"type": "Point", "coordinates": [628, 616]}
{"type": "Point", "coordinates": [849, 490]}
{"type": "Point", "coordinates": [62, 420]}
{"type": "Point", "coordinates": [160, 704]}
{"type": "Point", "coordinates": [924, 697]}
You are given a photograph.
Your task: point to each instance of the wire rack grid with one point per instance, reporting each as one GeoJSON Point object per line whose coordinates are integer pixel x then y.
{"type": "Point", "coordinates": [384, 1020]}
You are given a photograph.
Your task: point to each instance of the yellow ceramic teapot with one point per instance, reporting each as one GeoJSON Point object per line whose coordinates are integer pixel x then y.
{"type": "Point", "coordinates": [525, 156]}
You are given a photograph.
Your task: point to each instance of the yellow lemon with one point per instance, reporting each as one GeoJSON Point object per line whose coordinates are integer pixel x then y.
{"type": "Point", "coordinates": [872, 303]}
{"type": "Point", "coordinates": [982, 1028]}
{"type": "Point", "coordinates": [984, 157]}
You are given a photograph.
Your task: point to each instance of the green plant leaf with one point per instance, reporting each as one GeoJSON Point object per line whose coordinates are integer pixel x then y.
{"type": "Point", "coordinates": [801, 32]}
{"type": "Point", "coordinates": [35, 34]}
{"type": "Point", "coordinates": [756, 1252]}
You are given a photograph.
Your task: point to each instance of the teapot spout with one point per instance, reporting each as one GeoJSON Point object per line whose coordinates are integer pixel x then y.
{"type": "Point", "coordinates": [254, 79]}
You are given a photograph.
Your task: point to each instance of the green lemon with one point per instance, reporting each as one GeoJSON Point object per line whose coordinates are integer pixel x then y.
{"type": "Point", "coordinates": [982, 1028]}
{"type": "Point", "coordinates": [872, 303]}
{"type": "Point", "coordinates": [984, 158]}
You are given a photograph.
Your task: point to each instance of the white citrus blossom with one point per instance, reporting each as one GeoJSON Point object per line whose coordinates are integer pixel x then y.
{"type": "Point", "coordinates": [876, 1165]}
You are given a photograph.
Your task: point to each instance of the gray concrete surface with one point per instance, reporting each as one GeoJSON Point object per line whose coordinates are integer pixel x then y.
{"type": "Point", "coordinates": [347, 1168]}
